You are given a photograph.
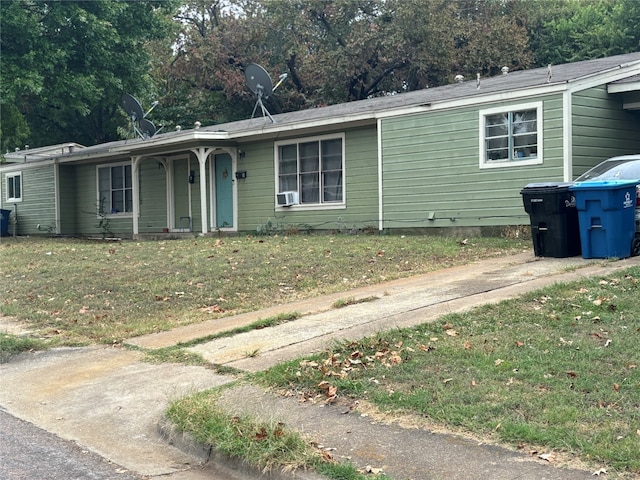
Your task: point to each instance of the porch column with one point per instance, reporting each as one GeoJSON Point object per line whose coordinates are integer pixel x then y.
{"type": "Point", "coordinates": [135, 190]}
{"type": "Point", "coordinates": [202, 154]}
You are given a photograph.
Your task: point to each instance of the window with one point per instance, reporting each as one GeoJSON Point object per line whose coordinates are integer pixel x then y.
{"type": "Point", "coordinates": [14, 187]}
{"type": "Point", "coordinates": [511, 137]}
{"type": "Point", "coordinates": [115, 193]}
{"type": "Point", "coordinates": [314, 168]}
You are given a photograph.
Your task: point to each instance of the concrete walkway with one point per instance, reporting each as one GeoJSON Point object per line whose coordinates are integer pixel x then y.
{"type": "Point", "coordinates": [112, 403]}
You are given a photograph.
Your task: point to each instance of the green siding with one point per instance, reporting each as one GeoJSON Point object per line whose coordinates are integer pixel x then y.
{"type": "Point", "coordinates": [601, 128]}
{"type": "Point", "coordinates": [427, 173]}
{"type": "Point", "coordinates": [38, 201]}
{"type": "Point", "coordinates": [256, 193]}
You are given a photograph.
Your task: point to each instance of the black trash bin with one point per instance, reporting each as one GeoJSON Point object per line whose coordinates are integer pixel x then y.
{"type": "Point", "coordinates": [554, 219]}
{"type": "Point", "coordinates": [4, 222]}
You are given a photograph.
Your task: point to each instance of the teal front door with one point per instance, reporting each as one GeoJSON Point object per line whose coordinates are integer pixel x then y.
{"type": "Point", "coordinates": [224, 191]}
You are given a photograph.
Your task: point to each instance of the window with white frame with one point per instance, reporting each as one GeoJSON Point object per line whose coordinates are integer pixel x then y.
{"type": "Point", "coordinates": [314, 168]}
{"type": "Point", "coordinates": [14, 187]}
{"type": "Point", "coordinates": [511, 136]}
{"type": "Point", "coordinates": [115, 191]}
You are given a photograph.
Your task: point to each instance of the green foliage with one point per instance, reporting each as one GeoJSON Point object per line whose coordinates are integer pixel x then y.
{"type": "Point", "coordinates": [73, 61]}
{"type": "Point", "coordinates": [587, 29]}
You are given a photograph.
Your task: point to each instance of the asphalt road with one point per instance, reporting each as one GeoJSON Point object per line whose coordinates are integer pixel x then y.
{"type": "Point", "coordinates": [28, 453]}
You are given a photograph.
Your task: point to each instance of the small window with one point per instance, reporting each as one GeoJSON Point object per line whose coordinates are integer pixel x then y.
{"type": "Point", "coordinates": [115, 192]}
{"type": "Point", "coordinates": [14, 187]}
{"type": "Point", "coordinates": [511, 137]}
{"type": "Point", "coordinates": [314, 168]}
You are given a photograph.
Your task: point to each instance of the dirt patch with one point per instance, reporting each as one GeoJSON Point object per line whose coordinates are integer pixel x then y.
{"type": "Point", "coordinates": [11, 326]}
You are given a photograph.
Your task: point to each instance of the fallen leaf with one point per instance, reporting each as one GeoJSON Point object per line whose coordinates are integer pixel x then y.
{"type": "Point", "coordinates": [261, 435]}
{"type": "Point", "coordinates": [519, 344]}
{"type": "Point", "coordinates": [616, 387]}
{"type": "Point", "coordinates": [498, 362]}
{"type": "Point", "coordinates": [451, 332]}
{"type": "Point", "coordinates": [467, 345]}
{"type": "Point", "coordinates": [395, 359]}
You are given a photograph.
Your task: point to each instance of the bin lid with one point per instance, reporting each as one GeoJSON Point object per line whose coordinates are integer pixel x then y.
{"type": "Point", "coordinates": [604, 184]}
{"type": "Point", "coordinates": [546, 187]}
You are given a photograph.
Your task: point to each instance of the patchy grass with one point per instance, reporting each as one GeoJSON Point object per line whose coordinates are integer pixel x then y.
{"type": "Point", "coordinates": [268, 446]}
{"type": "Point", "coordinates": [555, 371]}
{"type": "Point", "coordinates": [11, 345]}
{"type": "Point", "coordinates": [345, 302]}
{"type": "Point", "coordinates": [104, 292]}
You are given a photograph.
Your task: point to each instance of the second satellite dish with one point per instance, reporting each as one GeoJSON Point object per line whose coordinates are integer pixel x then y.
{"type": "Point", "coordinates": [260, 84]}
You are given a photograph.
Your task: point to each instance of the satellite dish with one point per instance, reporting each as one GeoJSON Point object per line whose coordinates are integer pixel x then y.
{"type": "Point", "coordinates": [258, 80]}
{"type": "Point", "coordinates": [147, 128]}
{"type": "Point", "coordinates": [132, 107]}
{"type": "Point", "coordinates": [261, 85]}
{"type": "Point", "coordinates": [139, 124]}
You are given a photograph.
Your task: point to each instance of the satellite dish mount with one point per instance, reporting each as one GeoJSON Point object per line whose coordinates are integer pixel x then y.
{"type": "Point", "coordinates": [261, 85]}
{"type": "Point", "coordinates": [139, 124]}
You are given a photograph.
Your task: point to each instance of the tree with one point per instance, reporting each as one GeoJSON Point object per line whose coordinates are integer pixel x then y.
{"type": "Point", "coordinates": [587, 29]}
{"type": "Point", "coordinates": [66, 64]}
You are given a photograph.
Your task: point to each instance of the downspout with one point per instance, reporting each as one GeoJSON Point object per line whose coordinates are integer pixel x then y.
{"type": "Point", "coordinates": [56, 195]}
{"type": "Point", "coordinates": [135, 165]}
{"type": "Point", "coordinates": [567, 136]}
{"type": "Point", "coordinates": [380, 206]}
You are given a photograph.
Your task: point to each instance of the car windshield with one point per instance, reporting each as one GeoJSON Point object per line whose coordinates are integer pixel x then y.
{"type": "Point", "coordinates": [613, 170]}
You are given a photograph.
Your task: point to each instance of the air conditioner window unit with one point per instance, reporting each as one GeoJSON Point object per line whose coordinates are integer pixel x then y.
{"type": "Point", "coordinates": [286, 199]}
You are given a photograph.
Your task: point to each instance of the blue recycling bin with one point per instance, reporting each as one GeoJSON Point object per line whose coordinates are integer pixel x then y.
{"type": "Point", "coordinates": [4, 222]}
{"type": "Point", "coordinates": [606, 211]}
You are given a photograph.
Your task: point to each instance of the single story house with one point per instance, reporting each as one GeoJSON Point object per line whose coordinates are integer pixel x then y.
{"type": "Point", "coordinates": [451, 156]}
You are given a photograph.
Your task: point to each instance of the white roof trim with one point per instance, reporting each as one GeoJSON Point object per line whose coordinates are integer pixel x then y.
{"type": "Point", "coordinates": [624, 87]}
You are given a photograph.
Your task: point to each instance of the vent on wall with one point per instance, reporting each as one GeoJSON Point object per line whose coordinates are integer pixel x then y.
{"type": "Point", "coordinates": [286, 199]}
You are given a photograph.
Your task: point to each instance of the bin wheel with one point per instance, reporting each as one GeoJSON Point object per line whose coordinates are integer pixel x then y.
{"type": "Point", "coordinates": [635, 246]}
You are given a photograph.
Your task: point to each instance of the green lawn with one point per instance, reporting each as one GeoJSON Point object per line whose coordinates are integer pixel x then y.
{"type": "Point", "coordinates": [103, 292]}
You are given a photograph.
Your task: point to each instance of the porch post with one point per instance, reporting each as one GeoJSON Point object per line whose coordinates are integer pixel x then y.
{"type": "Point", "coordinates": [135, 190]}
{"type": "Point", "coordinates": [202, 154]}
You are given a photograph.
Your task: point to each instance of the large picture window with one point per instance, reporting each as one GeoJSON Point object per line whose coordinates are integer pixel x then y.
{"type": "Point", "coordinates": [511, 136]}
{"type": "Point", "coordinates": [14, 187]}
{"type": "Point", "coordinates": [115, 192]}
{"type": "Point", "coordinates": [314, 168]}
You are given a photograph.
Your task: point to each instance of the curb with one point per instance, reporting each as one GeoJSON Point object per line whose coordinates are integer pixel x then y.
{"type": "Point", "coordinates": [233, 467]}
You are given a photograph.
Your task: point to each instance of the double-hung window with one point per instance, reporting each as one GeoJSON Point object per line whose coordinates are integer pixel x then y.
{"type": "Point", "coordinates": [14, 187]}
{"type": "Point", "coordinates": [115, 192]}
{"type": "Point", "coordinates": [510, 137]}
{"type": "Point", "coordinates": [313, 168]}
